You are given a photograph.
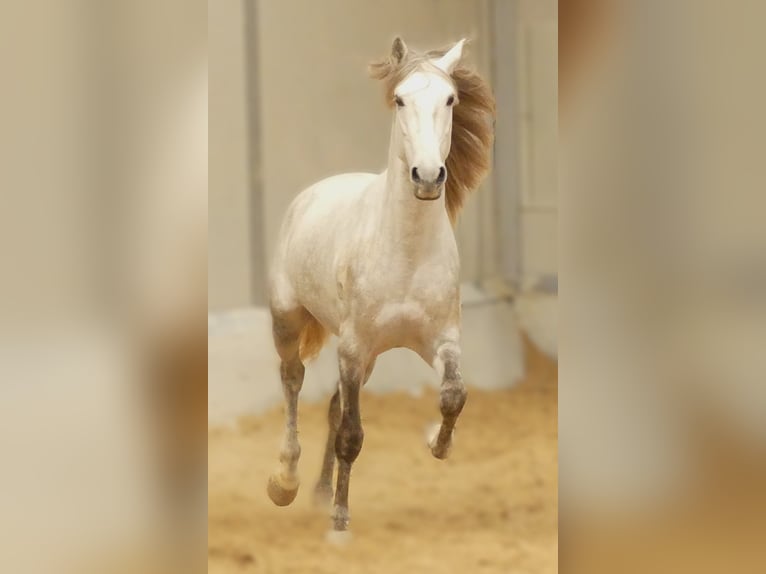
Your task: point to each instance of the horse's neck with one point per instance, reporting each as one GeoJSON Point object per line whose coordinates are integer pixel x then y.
{"type": "Point", "coordinates": [412, 224]}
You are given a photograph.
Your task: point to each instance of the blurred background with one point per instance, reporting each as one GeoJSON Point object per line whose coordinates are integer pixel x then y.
{"type": "Point", "coordinates": [290, 104]}
{"type": "Point", "coordinates": [104, 177]}
{"type": "Point", "coordinates": [103, 229]}
{"type": "Point", "coordinates": [663, 304]}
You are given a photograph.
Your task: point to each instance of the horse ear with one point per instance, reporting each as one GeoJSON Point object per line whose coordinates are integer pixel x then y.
{"type": "Point", "coordinates": [449, 61]}
{"type": "Point", "coordinates": [398, 50]}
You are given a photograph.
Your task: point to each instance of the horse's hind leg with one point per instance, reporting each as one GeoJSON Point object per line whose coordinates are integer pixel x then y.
{"type": "Point", "coordinates": [323, 491]}
{"type": "Point", "coordinates": [348, 442]}
{"type": "Point", "coordinates": [287, 326]}
{"type": "Point", "coordinates": [451, 397]}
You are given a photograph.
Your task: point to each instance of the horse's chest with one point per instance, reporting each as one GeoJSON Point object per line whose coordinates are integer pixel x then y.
{"type": "Point", "coordinates": [405, 315]}
{"type": "Point", "coordinates": [396, 303]}
{"type": "Point", "coordinates": [392, 298]}
{"type": "Point", "coordinates": [400, 324]}
{"type": "Point", "coordinates": [401, 320]}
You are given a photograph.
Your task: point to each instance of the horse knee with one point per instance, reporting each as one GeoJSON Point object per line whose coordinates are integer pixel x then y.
{"type": "Point", "coordinates": [451, 399]}
{"type": "Point", "coordinates": [349, 441]}
{"type": "Point", "coordinates": [453, 393]}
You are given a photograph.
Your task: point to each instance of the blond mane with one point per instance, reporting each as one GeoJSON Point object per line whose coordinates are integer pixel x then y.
{"type": "Point", "coordinates": [472, 121]}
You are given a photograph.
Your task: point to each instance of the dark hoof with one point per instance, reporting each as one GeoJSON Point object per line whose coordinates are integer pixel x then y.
{"type": "Point", "coordinates": [440, 449]}
{"type": "Point", "coordinates": [440, 452]}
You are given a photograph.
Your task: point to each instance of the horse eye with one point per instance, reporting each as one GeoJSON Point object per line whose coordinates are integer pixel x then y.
{"type": "Point", "coordinates": [398, 101]}
{"type": "Point", "coordinates": [450, 100]}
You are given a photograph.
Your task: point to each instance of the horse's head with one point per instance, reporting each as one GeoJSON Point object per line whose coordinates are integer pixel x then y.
{"type": "Point", "coordinates": [423, 97]}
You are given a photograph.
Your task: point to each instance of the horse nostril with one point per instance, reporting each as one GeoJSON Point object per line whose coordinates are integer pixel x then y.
{"type": "Point", "coordinates": [415, 176]}
{"type": "Point", "coordinates": [442, 175]}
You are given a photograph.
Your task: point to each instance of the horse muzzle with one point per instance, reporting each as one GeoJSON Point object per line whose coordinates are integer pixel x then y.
{"type": "Point", "coordinates": [428, 192]}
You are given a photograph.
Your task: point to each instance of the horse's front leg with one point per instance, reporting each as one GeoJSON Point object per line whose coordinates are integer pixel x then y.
{"type": "Point", "coordinates": [323, 492]}
{"type": "Point", "coordinates": [451, 397]}
{"type": "Point", "coordinates": [348, 442]}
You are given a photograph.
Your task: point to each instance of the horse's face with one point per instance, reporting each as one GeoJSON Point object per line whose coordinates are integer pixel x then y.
{"type": "Point", "coordinates": [424, 102]}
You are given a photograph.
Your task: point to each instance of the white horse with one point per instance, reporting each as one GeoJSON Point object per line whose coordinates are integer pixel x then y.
{"type": "Point", "coordinates": [372, 259]}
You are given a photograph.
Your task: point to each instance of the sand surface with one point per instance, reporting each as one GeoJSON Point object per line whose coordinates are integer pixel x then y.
{"type": "Point", "coordinates": [491, 507]}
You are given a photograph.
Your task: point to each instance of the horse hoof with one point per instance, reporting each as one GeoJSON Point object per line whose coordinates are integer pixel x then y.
{"type": "Point", "coordinates": [439, 451]}
{"type": "Point", "coordinates": [323, 495]}
{"type": "Point", "coordinates": [338, 538]}
{"type": "Point", "coordinates": [281, 492]}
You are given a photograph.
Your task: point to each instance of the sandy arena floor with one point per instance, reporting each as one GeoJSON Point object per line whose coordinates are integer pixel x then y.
{"type": "Point", "coordinates": [492, 507]}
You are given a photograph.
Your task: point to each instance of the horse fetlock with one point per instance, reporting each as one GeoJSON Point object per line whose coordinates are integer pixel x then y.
{"type": "Point", "coordinates": [290, 453]}
{"type": "Point", "coordinates": [348, 443]}
{"type": "Point", "coordinates": [452, 399]}
{"type": "Point", "coordinates": [340, 518]}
